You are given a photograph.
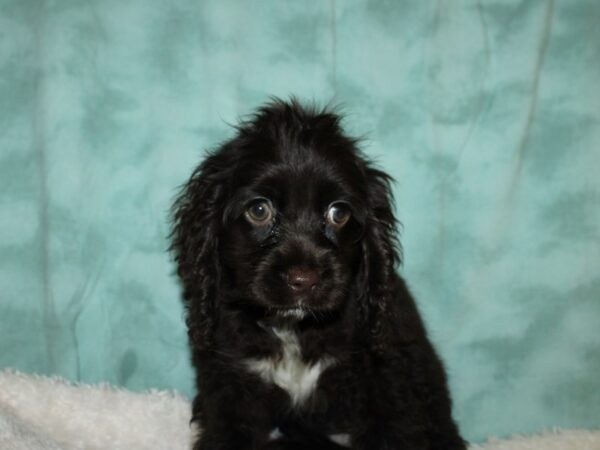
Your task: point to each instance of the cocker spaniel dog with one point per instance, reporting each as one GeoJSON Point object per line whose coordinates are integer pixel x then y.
{"type": "Point", "coordinates": [303, 336]}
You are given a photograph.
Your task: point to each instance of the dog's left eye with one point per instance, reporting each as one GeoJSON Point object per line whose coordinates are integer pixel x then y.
{"type": "Point", "coordinates": [338, 214]}
{"type": "Point", "coordinates": [260, 212]}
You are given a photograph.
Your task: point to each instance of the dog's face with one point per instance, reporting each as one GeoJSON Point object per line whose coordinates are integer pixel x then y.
{"type": "Point", "coordinates": [293, 227]}
{"type": "Point", "coordinates": [286, 220]}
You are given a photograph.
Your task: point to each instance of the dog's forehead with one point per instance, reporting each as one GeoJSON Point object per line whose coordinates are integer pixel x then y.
{"type": "Point", "coordinates": [303, 184]}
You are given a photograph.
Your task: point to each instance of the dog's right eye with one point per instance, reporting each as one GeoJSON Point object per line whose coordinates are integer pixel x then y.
{"type": "Point", "coordinates": [338, 214]}
{"type": "Point", "coordinates": [259, 213]}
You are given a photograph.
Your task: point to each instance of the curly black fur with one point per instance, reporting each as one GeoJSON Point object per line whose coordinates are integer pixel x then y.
{"type": "Point", "coordinates": [382, 385]}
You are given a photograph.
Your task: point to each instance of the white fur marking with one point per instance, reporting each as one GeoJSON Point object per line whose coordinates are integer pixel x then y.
{"type": "Point", "coordinates": [342, 439]}
{"type": "Point", "coordinates": [289, 372]}
{"type": "Point", "coordinates": [275, 434]}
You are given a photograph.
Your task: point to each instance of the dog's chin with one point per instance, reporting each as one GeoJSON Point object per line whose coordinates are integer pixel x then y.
{"type": "Point", "coordinates": [297, 316]}
{"type": "Point", "coordinates": [289, 312]}
{"type": "Point", "coordinates": [292, 314]}
{"type": "Point", "coordinates": [302, 311]}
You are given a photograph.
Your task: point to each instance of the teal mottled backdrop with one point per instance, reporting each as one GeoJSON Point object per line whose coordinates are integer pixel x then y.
{"type": "Point", "coordinates": [486, 112]}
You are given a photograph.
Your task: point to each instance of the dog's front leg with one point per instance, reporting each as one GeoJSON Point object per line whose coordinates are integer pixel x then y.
{"type": "Point", "coordinates": [233, 412]}
{"type": "Point", "coordinates": [234, 426]}
{"type": "Point", "coordinates": [390, 416]}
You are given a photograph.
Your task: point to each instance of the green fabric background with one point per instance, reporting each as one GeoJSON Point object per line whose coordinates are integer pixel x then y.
{"type": "Point", "coordinates": [486, 113]}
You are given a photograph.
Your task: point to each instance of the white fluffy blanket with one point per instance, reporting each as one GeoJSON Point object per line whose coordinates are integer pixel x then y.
{"type": "Point", "coordinates": [50, 413]}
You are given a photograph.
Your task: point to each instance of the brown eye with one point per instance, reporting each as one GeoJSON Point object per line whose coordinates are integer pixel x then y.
{"type": "Point", "coordinates": [259, 212]}
{"type": "Point", "coordinates": [338, 214]}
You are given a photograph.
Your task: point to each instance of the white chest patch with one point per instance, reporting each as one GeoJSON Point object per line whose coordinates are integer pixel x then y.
{"type": "Point", "coordinates": [289, 372]}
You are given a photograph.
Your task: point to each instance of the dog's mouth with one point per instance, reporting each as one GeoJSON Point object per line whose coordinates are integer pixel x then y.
{"type": "Point", "coordinates": [295, 312]}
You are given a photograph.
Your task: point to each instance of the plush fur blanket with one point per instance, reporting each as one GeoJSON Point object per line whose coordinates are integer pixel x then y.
{"type": "Point", "coordinates": [50, 413]}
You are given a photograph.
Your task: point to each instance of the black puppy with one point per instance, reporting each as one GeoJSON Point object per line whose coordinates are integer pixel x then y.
{"type": "Point", "coordinates": [303, 335]}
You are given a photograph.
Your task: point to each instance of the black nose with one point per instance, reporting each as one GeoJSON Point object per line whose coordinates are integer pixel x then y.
{"type": "Point", "coordinates": [302, 280]}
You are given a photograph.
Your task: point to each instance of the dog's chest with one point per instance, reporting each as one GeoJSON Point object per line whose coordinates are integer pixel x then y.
{"type": "Point", "coordinates": [288, 371]}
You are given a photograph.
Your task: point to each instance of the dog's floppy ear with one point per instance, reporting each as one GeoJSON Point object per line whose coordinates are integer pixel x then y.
{"type": "Point", "coordinates": [381, 255]}
{"type": "Point", "coordinates": [197, 218]}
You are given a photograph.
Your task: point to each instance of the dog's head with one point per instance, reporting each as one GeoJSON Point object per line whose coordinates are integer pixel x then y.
{"type": "Point", "coordinates": [287, 220]}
